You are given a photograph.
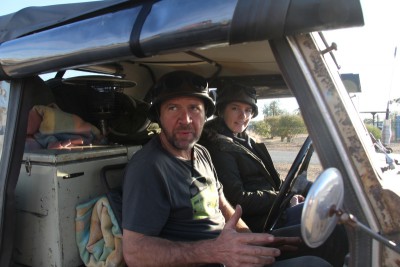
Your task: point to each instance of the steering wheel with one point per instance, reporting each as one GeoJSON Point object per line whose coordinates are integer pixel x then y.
{"type": "Point", "coordinates": [300, 164]}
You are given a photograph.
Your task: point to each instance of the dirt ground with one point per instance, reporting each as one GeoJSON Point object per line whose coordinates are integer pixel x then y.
{"type": "Point", "coordinates": [314, 169]}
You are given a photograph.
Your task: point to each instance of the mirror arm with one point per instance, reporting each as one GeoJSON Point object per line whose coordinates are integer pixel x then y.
{"type": "Point", "coordinates": [352, 221]}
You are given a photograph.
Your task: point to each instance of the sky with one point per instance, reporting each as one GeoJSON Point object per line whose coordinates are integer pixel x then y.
{"type": "Point", "coordinates": [368, 51]}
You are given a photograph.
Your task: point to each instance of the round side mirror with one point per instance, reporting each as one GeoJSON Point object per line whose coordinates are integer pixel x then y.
{"type": "Point", "coordinates": [316, 221]}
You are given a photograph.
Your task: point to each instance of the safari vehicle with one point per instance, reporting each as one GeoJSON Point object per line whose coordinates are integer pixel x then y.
{"type": "Point", "coordinates": [124, 47]}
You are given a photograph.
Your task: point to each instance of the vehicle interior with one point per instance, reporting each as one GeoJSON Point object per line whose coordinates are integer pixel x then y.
{"type": "Point", "coordinates": [81, 114]}
{"type": "Point", "coordinates": [112, 97]}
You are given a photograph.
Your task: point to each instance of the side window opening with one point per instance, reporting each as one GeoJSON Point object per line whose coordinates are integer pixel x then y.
{"type": "Point", "coordinates": [4, 94]}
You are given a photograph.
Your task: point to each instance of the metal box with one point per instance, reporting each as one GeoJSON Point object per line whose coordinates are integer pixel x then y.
{"type": "Point", "coordinates": [51, 184]}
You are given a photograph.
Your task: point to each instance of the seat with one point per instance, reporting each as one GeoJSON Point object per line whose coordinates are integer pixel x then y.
{"type": "Point", "coordinates": [113, 191]}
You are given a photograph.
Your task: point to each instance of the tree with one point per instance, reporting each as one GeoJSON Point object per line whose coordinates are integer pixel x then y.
{"type": "Point", "coordinates": [289, 126]}
{"type": "Point", "coordinates": [368, 121]}
{"type": "Point", "coordinates": [285, 126]}
{"type": "Point", "coordinates": [260, 128]}
{"type": "Point", "coordinates": [272, 109]}
{"type": "Point", "coordinates": [273, 125]}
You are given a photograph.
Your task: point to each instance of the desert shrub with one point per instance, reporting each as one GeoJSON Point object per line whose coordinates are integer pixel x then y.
{"type": "Point", "coordinates": [260, 128]}
{"type": "Point", "coordinates": [289, 126]}
{"type": "Point", "coordinates": [284, 126]}
{"type": "Point", "coordinates": [375, 131]}
{"type": "Point", "coordinates": [273, 124]}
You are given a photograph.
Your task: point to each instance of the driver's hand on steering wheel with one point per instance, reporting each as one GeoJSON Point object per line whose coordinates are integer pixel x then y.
{"type": "Point", "coordinates": [296, 199]}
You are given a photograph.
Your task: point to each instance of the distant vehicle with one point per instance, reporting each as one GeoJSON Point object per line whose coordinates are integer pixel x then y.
{"type": "Point", "coordinates": [123, 47]}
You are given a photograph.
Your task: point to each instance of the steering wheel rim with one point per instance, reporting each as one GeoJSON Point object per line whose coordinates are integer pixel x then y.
{"type": "Point", "coordinates": [298, 165]}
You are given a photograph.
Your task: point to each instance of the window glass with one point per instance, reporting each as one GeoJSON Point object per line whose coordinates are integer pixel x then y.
{"type": "Point", "coordinates": [4, 93]}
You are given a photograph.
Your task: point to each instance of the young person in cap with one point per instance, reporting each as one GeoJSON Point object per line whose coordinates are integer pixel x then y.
{"type": "Point", "coordinates": [247, 173]}
{"type": "Point", "coordinates": [244, 167]}
{"type": "Point", "coordinates": [174, 211]}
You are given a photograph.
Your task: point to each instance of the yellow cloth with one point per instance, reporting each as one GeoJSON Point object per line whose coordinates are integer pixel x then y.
{"type": "Point", "coordinates": [57, 121]}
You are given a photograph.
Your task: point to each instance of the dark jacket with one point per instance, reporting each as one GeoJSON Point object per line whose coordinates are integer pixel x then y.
{"type": "Point", "coordinates": [245, 170]}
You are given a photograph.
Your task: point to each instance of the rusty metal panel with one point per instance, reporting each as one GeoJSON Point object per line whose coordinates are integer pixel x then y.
{"type": "Point", "coordinates": [360, 154]}
{"type": "Point", "coordinates": [360, 170]}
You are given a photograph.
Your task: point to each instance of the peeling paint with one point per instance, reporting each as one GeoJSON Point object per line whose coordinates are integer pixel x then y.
{"type": "Point", "coordinates": [382, 204]}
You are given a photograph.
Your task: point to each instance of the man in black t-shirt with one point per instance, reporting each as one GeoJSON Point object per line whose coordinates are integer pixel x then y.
{"type": "Point", "coordinates": [174, 211]}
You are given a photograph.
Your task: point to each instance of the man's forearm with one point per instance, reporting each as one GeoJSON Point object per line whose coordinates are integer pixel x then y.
{"type": "Point", "coordinates": [229, 248]}
{"type": "Point", "coordinates": [228, 211]}
{"type": "Point", "coordinates": [153, 251]}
